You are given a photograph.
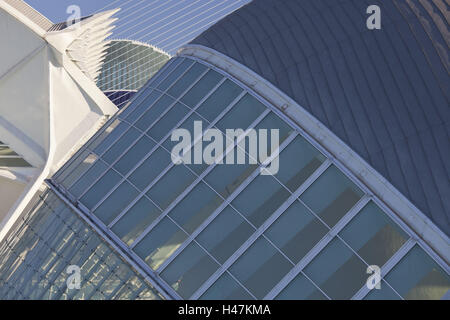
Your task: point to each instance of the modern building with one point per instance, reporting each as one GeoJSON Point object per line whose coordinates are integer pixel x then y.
{"type": "Point", "coordinates": [363, 124]}
{"type": "Point", "coordinates": [127, 66]}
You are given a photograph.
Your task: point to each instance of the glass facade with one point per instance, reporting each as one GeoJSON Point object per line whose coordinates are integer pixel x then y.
{"type": "Point", "coordinates": [36, 258]}
{"type": "Point", "coordinates": [225, 231]}
{"type": "Point", "coordinates": [9, 158]}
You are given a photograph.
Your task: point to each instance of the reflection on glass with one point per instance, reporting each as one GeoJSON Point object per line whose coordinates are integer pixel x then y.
{"type": "Point", "coordinates": [119, 147]}
{"type": "Point", "coordinates": [149, 98]}
{"type": "Point", "coordinates": [131, 225]}
{"type": "Point", "coordinates": [150, 168]}
{"type": "Point", "coordinates": [373, 235]}
{"type": "Point", "coordinates": [189, 270]}
{"type": "Point", "coordinates": [300, 289]}
{"type": "Point", "coordinates": [108, 137]}
{"type": "Point", "coordinates": [88, 178]}
{"type": "Point", "coordinates": [418, 277]}
{"type": "Point", "coordinates": [226, 288]}
{"type": "Point", "coordinates": [296, 232]}
{"type": "Point", "coordinates": [116, 202]}
{"type": "Point", "coordinates": [225, 234]}
{"type": "Point", "coordinates": [332, 195]}
{"type": "Point", "coordinates": [384, 293]}
{"type": "Point", "coordinates": [201, 88]}
{"type": "Point", "coordinates": [195, 207]}
{"type": "Point", "coordinates": [337, 271]}
{"type": "Point", "coordinates": [186, 80]}
{"type": "Point", "coordinates": [168, 122]}
{"type": "Point", "coordinates": [174, 75]}
{"type": "Point", "coordinates": [79, 167]}
{"type": "Point", "coordinates": [160, 243]}
{"type": "Point", "coordinates": [100, 189]}
{"type": "Point", "coordinates": [134, 155]}
{"type": "Point", "coordinates": [152, 114]}
{"type": "Point", "coordinates": [260, 199]}
{"type": "Point", "coordinates": [260, 268]}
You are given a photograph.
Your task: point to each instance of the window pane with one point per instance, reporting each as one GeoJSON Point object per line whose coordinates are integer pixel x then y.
{"type": "Point", "coordinates": [296, 232]}
{"type": "Point", "coordinates": [373, 235]}
{"type": "Point", "coordinates": [150, 168]}
{"type": "Point", "coordinates": [171, 185]}
{"type": "Point", "coordinates": [189, 270]}
{"type": "Point", "coordinates": [160, 243]}
{"type": "Point", "coordinates": [168, 122]}
{"type": "Point", "coordinates": [79, 167]}
{"type": "Point", "coordinates": [195, 207]}
{"type": "Point", "coordinates": [227, 178]}
{"type": "Point", "coordinates": [226, 288]}
{"type": "Point", "coordinates": [200, 89]}
{"type": "Point", "coordinates": [116, 202]}
{"type": "Point", "coordinates": [187, 80]}
{"type": "Point", "coordinates": [154, 112]}
{"type": "Point", "coordinates": [188, 124]}
{"type": "Point", "coordinates": [119, 147]}
{"type": "Point", "coordinates": [384, 293]}
{"type": "Point", "coordinates": [418, 277]}
{"type": "Point", "coordinates": [260, 268]}
{"type": "Point", "coordinates": [108, 137]}
{"type": "Point", "coordinates": [332, 195]}
{"type": "Point", "coordinates": [100, 189]}
{"type": "Point", "coordinates": [301, 289]}
{"type": "Point", "coordinates": [182, 67]}
{"type": "Point", "coordinates": [134, 155]}
{"type": "Point", "coordinates": [297, 162]}
{"type": "Point", "coordinates": [166, 71]}
{"type": "Point", "coordinates": [226, 233]}
{"type": "Point", "coordinates": [131, 225]}
{"type": "Point", "coordinates": [337, 271]}
{"type": "Point", "coordinates": [151, 97]}
{"type": "Point", "coordinates": [219, 100]}
{"type": "Point", "coordinates": [270, 122]}
{"type": "Point", "coordinates": [88, 178]}
{"type": "Point", "coordinates": [242, 114]}
{"type": "Point", "coordinates": [260, 199]}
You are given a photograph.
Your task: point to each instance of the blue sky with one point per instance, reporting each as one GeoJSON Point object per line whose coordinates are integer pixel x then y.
{"type": "Point", "coordinates": [167, 24]}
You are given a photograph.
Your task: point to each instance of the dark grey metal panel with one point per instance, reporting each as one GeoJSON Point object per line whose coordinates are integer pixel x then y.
{"type": "Point", "coordinates": [383, 92]}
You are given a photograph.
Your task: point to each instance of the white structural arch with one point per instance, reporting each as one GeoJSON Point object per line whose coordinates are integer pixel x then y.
{"type": "Point", "coordinates": [50, 104]}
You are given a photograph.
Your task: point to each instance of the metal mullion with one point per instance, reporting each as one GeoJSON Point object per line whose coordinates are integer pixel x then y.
{"type": "Point", "coordinates": [327, 238]}
{"type": "Point", "coordinates": [171, 164]}
{"type": "Point", "coordinates": [314, 284]}
{"type": "Point", "coordinates": [226, 201]}
{"type": "Point", "coordinates": [387, 267]}
{"type": "Point", "coordinates": [139, 137]}
{"type": "Point", "coordinates": [159, 144]}
{"type": "Point", "coordinates": [109, 273]}
{"type": "Point", "coordinates": [131, 124]}
{"type": "Point", "coordinates": [259, 231]}
{"type": "Point", "coordinates": [122, 284]}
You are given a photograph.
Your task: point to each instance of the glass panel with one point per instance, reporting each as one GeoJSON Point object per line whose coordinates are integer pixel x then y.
{"type": "Point", "coordinates": [188, 124]}
{"type": "Point", "coordinates": [108, 137]}
{"type": "Point", "coordinates": [337, 271]}
{"type": "Point", "coordinates": [227, 178]}
{"type": "Point", "coordinates": [116, 202]}
{"type": "Point", "coordinates": [219, 100]}
{"type": "Point", "coordinates": [226, 288]}
{"type": "Point", "coordinates": [260, 268]}
{"type": "Point", "coordinates": [181, 68]}
{"type": "Point", "coordinates": [171, 185]}
{"type": "Point", "coordinates": [189, 270]}
{"type": "Point", "coordinates": [260, 199]}
{"type": "Point", "coordinates": [79, 167]}
{"type": "Point", "coordinates": [88, 178]}
{"type": "Point", "coordinates": [100, 189]}
{"type": "Point", "coordinates": [373, 235]}
{"type": "Point", "coordinates": [225, 234]}
{"type": "Point", "coordinates": [195, 207]}
{"type": "Point", "coordinates": [201, 88]}
{"type": "Point", "coordinates": [332, 195]}
{"type": "Point", "coordinates": [297, 162]}
{"type": "Point", "coordinates": [153, 113]}
{"type": "Point", "coordinates": [242, 114]}
{"type": "Point", "coordinates": [131, 225]}
{"type": "Point", "coordinates": [119, 147]}
{"type": "Point", "coordinates": [168, 122]}
{"type": "Point", "coordinates": [134, 155]}
{"type": "Point", "coordinates": [300, 289]}
{"type": "Point", "coordinates": [150, 168]}
{"type": "Point", "coordinates": [296, 231]}
{"type": "Point", "coordinates": [418, 277]}
{"type": "Point", "coordinates": [164, 72]}
{"type": "Point", "coordinates": [384, 293]}
{"type": "Point", "coordinates": [151, 97]}
{"type": "Point", "coordinates": [270, 122]}
{"type": "Point", "coordinates": [160, 243]}
{"type": "Point", "coordinates": [13, 162]}
{"type": "Point", "coordinates": [6, 151]}
{"type": "Point", "coordinates": [187, 80]}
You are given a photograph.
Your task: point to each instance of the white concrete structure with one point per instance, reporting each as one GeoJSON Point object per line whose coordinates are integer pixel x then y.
{"type": "Point", "coordinates": [49, 102]}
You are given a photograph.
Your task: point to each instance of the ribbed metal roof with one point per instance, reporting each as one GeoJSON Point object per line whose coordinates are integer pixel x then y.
{"type": "Point", "coordinates": [383, 92]}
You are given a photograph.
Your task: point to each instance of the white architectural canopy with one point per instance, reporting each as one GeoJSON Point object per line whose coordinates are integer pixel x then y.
{"type": "Point", "coordinates": [49, 102]}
